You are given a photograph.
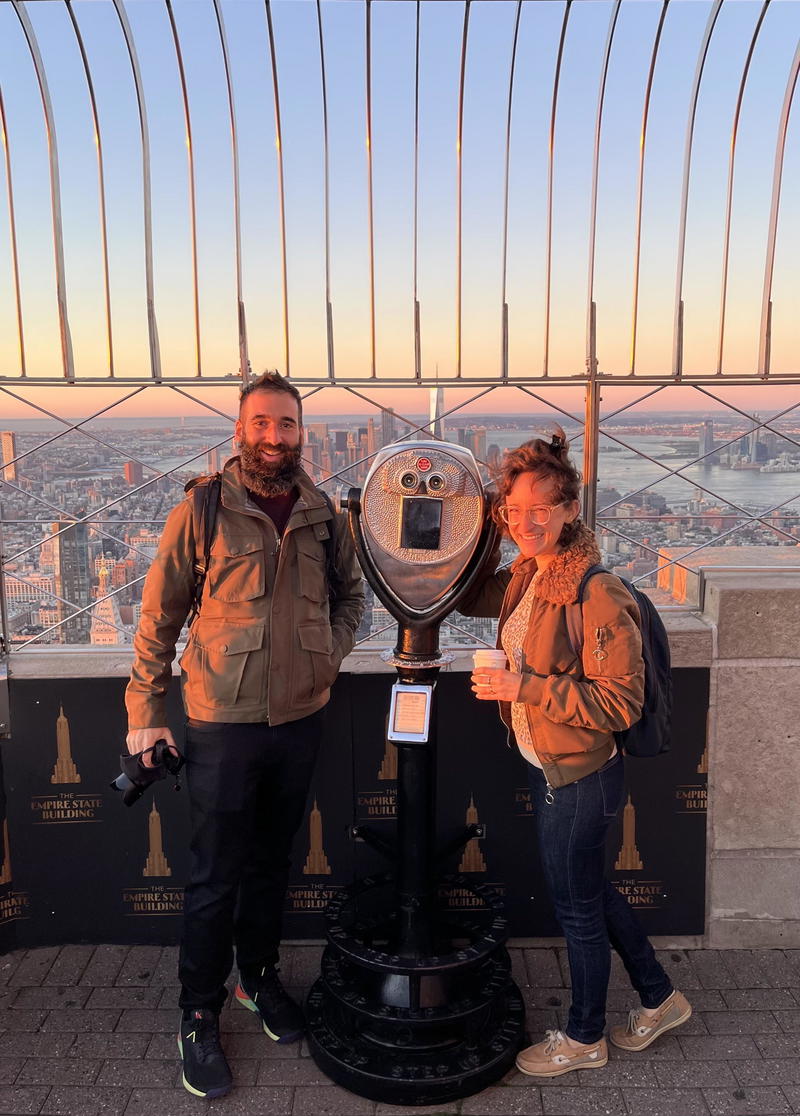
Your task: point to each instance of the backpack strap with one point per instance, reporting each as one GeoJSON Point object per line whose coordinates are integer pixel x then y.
{"type": "Point", "coordinates": [574, 611]}
{"type": "Point", "coordinates": [331, 545]}
{"type": "Point", "coordinates": [205, 504]}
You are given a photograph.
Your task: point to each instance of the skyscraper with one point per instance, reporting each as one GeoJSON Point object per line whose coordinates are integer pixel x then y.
{"type": "Point", "coordinates": [436, 426]}
{"type": "Point", "coordinates": [133, 473]}
{"type": "Point", "coordinates": [8, 451]}
{"type": "Point", "coordinates": [71, 568]}
{"type": "Point", "coordinates": [388, 426]}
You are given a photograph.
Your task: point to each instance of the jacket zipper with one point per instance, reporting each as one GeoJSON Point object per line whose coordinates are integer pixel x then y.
{"type": "Point", "coordinates": [277, 556]}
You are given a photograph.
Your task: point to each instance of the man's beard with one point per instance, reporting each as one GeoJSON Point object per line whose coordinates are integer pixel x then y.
{"type": "Point", "coordinates": [269, 480]}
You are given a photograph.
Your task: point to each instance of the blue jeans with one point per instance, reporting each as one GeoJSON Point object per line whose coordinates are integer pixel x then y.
{"type": "Point", "coordinates": [593, 915]}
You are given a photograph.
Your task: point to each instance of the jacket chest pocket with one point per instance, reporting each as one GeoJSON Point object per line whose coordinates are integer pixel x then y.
{"type": "Point", "coordinates": [237, 569]}
{"type": "Point", "coordinates": [311, 576]}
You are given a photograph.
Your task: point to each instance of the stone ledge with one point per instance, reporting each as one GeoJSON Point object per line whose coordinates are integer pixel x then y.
{"type": "Point", "coordinates": [690, 638]}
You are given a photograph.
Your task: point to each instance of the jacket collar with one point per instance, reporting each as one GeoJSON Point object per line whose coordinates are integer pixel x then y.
{"type": "Point", "coordinates": [558, 583]}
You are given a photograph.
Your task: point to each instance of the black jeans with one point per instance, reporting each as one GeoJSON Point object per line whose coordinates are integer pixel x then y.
{"type": "Point", "coordinates": [593, 915]}
{"type": "Point", "coordinates": [248, 785]}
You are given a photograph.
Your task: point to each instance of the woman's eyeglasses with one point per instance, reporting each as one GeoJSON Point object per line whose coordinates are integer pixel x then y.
{"type": "Point", "coordinates": [539, 513]}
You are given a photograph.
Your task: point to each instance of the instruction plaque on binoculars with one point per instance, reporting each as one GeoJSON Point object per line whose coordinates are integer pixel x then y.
{"type": "Point", "coordinates": [410, 713]}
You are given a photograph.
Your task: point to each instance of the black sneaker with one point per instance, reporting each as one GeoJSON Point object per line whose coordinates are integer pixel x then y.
{"type": "Point", "coordinates": [280, 1016]}
{"type": "Point", "coordinates": [206, 1072]}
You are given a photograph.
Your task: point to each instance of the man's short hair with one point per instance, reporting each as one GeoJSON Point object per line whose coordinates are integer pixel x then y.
{"type": "Point", "coordinates": [271, 381]}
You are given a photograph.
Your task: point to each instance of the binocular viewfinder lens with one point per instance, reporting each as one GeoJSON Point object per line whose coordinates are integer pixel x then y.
{"type": "Point", "coordinates": [436, 482]}
{"type": "Point", "coordinates": [409, 480]}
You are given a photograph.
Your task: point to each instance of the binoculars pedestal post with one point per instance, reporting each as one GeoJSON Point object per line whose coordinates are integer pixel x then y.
{"type": "Point", "coordinates": [415, 1004]}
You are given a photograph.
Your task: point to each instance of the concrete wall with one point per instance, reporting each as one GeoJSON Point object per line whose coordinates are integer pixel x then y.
{"type": "Point", "coordinates": [754, 759]}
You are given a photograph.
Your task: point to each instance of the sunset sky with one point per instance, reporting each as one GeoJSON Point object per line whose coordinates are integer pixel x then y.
{"type": "Point", "coordinates": [488, 61]}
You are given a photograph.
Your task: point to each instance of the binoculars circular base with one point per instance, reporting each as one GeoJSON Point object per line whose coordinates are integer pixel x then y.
{"type": "Point", "coordinates": [413, 1065]}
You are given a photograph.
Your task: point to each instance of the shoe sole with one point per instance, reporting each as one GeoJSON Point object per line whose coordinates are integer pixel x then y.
{"type": "Point", "coordinates": [557, 1072]}
{"type": "Point", "coordinates": [212, 1094]}
{"type": "Point", "coordinates": [251, 1005]}
{"type": "Point", "coordinates": [661, 1031]}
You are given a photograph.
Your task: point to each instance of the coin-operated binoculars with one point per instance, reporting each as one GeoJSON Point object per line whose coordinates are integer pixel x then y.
{"type": "Point", "coordinates": [415, 1003]}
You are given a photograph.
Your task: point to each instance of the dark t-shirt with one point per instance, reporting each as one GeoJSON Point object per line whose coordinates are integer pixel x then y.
{"type": "Point", "coordinates": [278, 508]}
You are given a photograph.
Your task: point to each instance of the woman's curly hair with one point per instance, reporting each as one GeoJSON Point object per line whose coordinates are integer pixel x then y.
{"type": "Point", "coordinates": [543, 459]}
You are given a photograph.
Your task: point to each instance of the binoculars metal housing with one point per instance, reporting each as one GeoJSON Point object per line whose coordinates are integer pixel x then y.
{"type": "Point", "coordinates": [415, 1004]}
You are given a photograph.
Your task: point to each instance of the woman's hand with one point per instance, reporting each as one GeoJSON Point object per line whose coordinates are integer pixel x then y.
{"type": "Point", "coordinates": [493, 684]}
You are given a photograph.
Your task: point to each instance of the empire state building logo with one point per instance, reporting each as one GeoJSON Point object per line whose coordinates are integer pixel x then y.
{"type": "Point", "coordinates": [65, 770]}
{"type": "Point", "coordinates": [472, 860]}
{"type": "Point", "coordinates": [156, 863]}
{"type": "Point", "coordinates": [629, 859]}
{"type": "Point", "coordinates": [388, 769]}
{"type": "Point", "coordinates": [316, 862]}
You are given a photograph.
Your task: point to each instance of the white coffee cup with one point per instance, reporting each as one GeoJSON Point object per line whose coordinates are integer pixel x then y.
{"type": "Point", "coordinates": [492, 657]}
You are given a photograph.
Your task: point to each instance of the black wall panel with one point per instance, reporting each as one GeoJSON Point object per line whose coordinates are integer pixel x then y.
{"type": "Point", "coordinates": [78, 866]}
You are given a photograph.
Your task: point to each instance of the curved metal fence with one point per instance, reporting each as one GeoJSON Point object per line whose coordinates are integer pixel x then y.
{"type": "Point", "coordinates": [471, 217]}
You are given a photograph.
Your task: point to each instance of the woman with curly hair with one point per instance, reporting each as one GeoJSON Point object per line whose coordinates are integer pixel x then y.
{"type": "Point", "coordinates": [562, 713]}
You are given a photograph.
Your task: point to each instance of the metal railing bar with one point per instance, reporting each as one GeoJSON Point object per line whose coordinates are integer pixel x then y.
{"type": "Point", "coordinates": [693, 483]}
{"type": "Point", "coordinates": [689, 464]}
{"type": "Point", "coordinates": [415, 429]}
{"type": "Point", "coordinates": [677, 348]}
{"type": "Point", "coordinates": [79, 612]}
{"type": "Point", "coordinates": [372, 635]}
{"type": "Point", "coordinates": [12, 221]}
{"type": "Point", "coordinates": [152, 330]}
{"type": "Point", "coordinates": [192, 197]}
{"type": "Point", "coordinates": [712, 542]}
{"type": "Point", "coordinates": [101, 185]}
{"type": "Point", "coordinates": [110, 504]}
{"type": "Point", "coordinates": [70, 426]}
{"type": "Point", "coordinates": [640, 185]}
{"type": "Point", "coordinates": [459, 183]}
{"type": "Point", "coordinates": [729, 198]}
{"type": "Point", "coordinates": [370, 205]}
{"type": "Point", "coordinates": [591, 353]}
{"type": "Point", "coordinates": [202, 402]}
{"type": "Point", "coordinates": [244, 363]}
{"type": "Point", "coordinates": [752, 418]}
{"type": "Point", "coordinates": [63, 600]}
{"type": "Point", "coordinates": [765, 340]}
{"type": "Point", "coordinates": [550, 162]}
{"type": "Point", "coordinates": [787, 379]}
{"type": "Point", "coordinates": [474, 637]}
{"type": "Point", "coordinates": [327, 198]}
{"type": "Point", "coordinates": [55, 189]}
{"type": "Point", "coordinates": [633, 402]}
{"type": "Point", "coordinates": [504, 265]}
{"type": "Point", "coordinates": [281, 193]}
{"type": "Point", "coordinates": [547, 403]}
{"type": "Point", "coordinates": [417, 337]}
{"type": "Point", "coordinates": [651, 550]}
{"type": "Point", "coordinates": [69, 521]}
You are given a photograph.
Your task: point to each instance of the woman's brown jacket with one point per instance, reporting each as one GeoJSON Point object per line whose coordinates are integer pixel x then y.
{"type": "Point", "coordinates": [573, 707]}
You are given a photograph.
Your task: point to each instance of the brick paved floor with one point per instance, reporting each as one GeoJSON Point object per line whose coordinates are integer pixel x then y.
{"type": "Point", "coordinates": [90, 1031]}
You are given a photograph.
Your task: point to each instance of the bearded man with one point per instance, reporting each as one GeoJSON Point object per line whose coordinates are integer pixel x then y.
{"type": "Point", "coordinates": [262, 654]}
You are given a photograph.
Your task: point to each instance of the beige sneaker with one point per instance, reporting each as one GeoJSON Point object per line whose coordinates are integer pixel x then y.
{"type": "Point", "coordinates": [553, 1057]}
{"type": "Point", "coordinates": [641, 1029]}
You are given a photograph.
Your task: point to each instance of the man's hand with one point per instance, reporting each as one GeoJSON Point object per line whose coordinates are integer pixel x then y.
{"type": "Point", "coordinates": [140, 739]}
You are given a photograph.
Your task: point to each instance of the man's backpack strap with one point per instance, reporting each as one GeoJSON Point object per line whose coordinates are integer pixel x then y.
{"type": "Point", "coordinates": [574, 612]}
{"type": "Point", "coordinates": [331, 545]}
{"type": "Point", "coordinates": [205, 504]}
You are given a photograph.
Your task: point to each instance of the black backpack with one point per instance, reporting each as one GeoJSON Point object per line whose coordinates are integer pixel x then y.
{"type": "Point", "coordinates": [652, 732]}
{"type": "Point", "coordinates": [206, 491]}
